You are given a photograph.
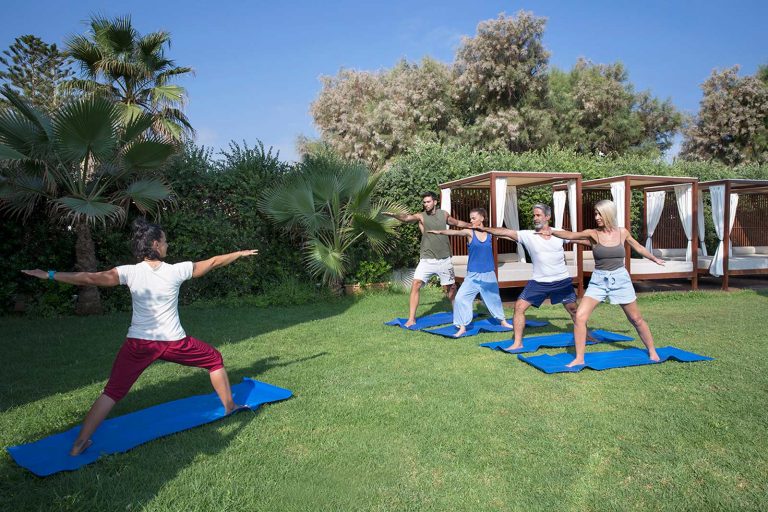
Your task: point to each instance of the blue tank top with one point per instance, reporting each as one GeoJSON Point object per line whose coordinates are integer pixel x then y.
{"type": "Point", "coordinates": [480, 255]}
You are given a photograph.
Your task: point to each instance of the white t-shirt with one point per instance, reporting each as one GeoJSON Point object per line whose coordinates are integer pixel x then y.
{"type": "Point", "coordinates": [155, 296]}
{"type": "Point", "coordinates": [547, 255]}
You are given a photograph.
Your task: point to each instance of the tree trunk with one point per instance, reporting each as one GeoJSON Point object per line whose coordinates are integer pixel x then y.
{"type": "Point", "coordinates": [88, 298]}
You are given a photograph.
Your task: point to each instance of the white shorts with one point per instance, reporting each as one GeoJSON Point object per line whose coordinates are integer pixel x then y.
{"type": "Point", "coordinates": [431, 267]}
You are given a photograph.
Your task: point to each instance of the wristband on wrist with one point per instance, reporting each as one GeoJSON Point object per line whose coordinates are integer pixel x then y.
{"type": "Point", "coordinates": [51, 273]}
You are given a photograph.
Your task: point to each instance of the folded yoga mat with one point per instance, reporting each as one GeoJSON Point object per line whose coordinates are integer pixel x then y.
{"type": "Point", "coordinates": [610, 359]}
{"type": "Point", "coordinates": [560, 340]}
{"type": "Point", "coordinates": [424, 322]}
{"type": "Point", "coordinates": [51, 454]}
{"type": "Point", "coordinates": [485, 325]}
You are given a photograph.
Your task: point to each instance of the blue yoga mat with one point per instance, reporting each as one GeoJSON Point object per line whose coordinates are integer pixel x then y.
{"type": "Point", "coordinates": [610, 359]}
{"type": "Point", "coordinates": [485, 325]}
{"type": "Point", "coordinates": [51, 454]}
{"type": "Point", "coordinates": [424, 322]}
{"type": "Point", "coordinates": [560, 340]}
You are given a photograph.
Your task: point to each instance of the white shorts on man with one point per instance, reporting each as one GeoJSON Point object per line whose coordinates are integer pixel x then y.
{"type": "Point", "coordinates": [428, 267]}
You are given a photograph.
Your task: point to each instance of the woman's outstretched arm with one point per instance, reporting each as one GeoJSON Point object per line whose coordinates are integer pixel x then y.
{"type": "Point", "coordinates": [105, 279]}
{"type": "Point", "coordinates": [201, 268]}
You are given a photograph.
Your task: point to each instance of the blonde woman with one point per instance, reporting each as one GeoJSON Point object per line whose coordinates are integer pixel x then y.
{"type": "Point", "coordinates": [610, 279]}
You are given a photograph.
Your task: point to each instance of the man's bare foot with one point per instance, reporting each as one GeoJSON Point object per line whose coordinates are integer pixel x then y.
{"type": "Point", "coordinates": [79, 447]}
{"type": "Point", "coordinates": [575, 362]}
{"type": "Point", "coordinates": [234, 408]}
{"type": "Point", "coordinates": [514, 346]}
{"type": "Point", "coordinates": [506, 324]}
{"type": "Point", "coordinates": [460, 332]}
{"type": "Point", "coordinates": [654, 356]}
{"type": "Point", "coordinates": [410, 323]}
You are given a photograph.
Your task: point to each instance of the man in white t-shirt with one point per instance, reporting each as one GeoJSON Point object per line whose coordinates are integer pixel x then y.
{"type": "Point", "coordinates": [550, 275]}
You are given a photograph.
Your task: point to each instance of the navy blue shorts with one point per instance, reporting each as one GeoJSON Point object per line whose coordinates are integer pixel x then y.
{"type": "Point", "coordinates": [559, 292]}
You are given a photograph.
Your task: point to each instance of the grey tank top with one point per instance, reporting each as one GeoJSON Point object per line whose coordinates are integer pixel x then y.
{"type": "Point", "coordinates": [434, 246]}
{"type": "Point", "coordinates": [608, 257]}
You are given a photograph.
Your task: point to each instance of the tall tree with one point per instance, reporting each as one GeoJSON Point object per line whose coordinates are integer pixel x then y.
{"type": "Point", "coordinates": [597, 111]}
{"type": "Point", "coordinates": [83, 166]}
{"type": "Point", "coordinates": [732, 123]}
{"type": "Point", "coordinates": [119, 63]}
{"type": "Point", "coordinates": [36, 71]}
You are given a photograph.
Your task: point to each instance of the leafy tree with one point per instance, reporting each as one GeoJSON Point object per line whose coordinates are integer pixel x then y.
{"type": "Point", "coordinates": [36, 71]}
{"type": "Point", "coordinates": [498, 94]}
{"type": "Point", "coordinates": [732, 123]}
{"type": "Point", "coordinates": [328, 204]}
{"type": "Point", "coordinates": [119, 63]}
{"type": "Point", "coordinates": [597, 111]}
{"type": "Point", "coordinates": [83, 167]}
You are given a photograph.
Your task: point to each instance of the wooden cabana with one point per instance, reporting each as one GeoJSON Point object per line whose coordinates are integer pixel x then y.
{"type": "Point", "coordinates": [670, 222]}
{"type": "Point", "coordinates": [743, 248]}
{"type": "Point", "coordinates": [496, 191]}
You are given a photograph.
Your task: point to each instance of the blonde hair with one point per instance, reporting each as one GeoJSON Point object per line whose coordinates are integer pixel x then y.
{"type": "Point", "coordinates": [607, 210]}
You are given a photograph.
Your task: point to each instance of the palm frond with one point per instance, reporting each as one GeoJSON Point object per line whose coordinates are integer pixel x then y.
{"type": "Point", "coordinates": [167, 94]}
{"type": "Point", "coordinates": [86, 127]}
{"type": "Point", "coordinates": [146, 195]}
{"type": "Point", "coordinates": [324, 260]}
{"type": "Point", "coordinates": [85, 53]}
{"type": "Point", "coordinates": [20, 194]}
{"type": "Point", "coordinates": [28, 111]}
{"type": "Point", "coordinates": [88, 210]}
{"type": "Point", "coordinates": [147, 155]}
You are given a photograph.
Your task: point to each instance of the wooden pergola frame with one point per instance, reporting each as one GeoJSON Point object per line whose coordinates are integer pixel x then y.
{"type": "Point", "coordinates": [523, 179]}
{"type": "Point", "coordinates": [734, 185]}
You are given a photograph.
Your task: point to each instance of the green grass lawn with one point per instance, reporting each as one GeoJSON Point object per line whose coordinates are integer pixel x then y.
{"type": "Point", "coordinates": [384, 419]}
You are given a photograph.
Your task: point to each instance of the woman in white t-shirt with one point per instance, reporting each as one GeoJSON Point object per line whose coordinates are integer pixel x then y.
{"type": "Point", "coordinates": [155, 331]}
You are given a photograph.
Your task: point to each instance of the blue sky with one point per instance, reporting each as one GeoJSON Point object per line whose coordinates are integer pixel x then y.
{"type": "Point", "coordinates": [258, 63]}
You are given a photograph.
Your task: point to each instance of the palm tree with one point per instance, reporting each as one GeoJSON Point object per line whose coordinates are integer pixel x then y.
{"type": "Point", "coordinates": [329, 204]}
{"type": "Point", "coordinates": [119, 63]}
{"type": "Point", "coordinates": [84, 166]}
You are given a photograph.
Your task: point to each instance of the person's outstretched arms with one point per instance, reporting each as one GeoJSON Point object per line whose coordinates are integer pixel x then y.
{"type": "Point", "coordinates": [456, 222]}
{"type": "Point", "coordinates": [404, 217]}
{"type": "Point", "coordinates": [642, 251]}
{"type": "Point", "coordinates": [502, 232]}
{"type": "Point", "coordinates": [587, 234]}
{"type": "Point", "coordinates": [451, 232]}
{"type": "Point", "coordinates": [104, 279]}
{"type": "Point", "coordinates": [201, 268]}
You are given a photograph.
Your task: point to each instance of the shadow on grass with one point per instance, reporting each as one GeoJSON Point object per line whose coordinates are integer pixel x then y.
{"type": "Point", "coordinates": [125, 481]}
{"type": "Point", "coordinates": [196, 382]}
{"type": "Point", "coordinates": [48, 356]}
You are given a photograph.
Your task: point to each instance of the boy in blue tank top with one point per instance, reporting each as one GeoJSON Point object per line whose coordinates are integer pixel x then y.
{"type": "Point", "coordinates": [481, 274]}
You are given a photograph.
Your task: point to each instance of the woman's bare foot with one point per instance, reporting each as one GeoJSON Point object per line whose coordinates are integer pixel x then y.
{"type": "Point", "coordinates": [234, 408]}
{"type": "Point", "coordinates": [575, 362]}
{"type": "Point", "coordinates": [79, 447]}
{"type": "Point", "coordinates": [514, 346]}
{"type": "Point", "coordinates": [506, 324]}
{"type": "Point", "coordinates": [460, 332]}
{"type": "Point", "coordinates": [409, 324]}
{"type": "Point", "coordinates": [654, 356]}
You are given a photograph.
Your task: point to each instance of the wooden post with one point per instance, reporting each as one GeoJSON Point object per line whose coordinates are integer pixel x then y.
{"type": "Point", "coordinates": [627, 220]}
{"type": "Point", "coordinates": [579, 248]}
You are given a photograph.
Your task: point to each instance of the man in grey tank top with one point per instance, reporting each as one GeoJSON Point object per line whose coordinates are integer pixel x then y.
{"type": "Point", "coordinates": [435, 253]}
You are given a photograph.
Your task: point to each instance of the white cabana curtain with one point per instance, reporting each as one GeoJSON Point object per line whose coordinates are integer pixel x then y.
{"type": "Point", "coordinates": [558, 198]}
{"type": "Point", "coordinates": [445, 200]}
{"type": "Point", "coordinates": [653, 208]}
{"type": "Point", "coordinates": [717, 193]}
{"type": "Point", "coordinates": [702, 233]}
{"type": "Point", "coordinates": [512, 218]}
{"type": "Point", "coordinates": [617, 193]}
{"type": "Point", "coordinates": [572, 211]}
{"type": "Point", "coordinates": [501, 202]}
{"type": "Point", "coordinates": [684, 199]}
